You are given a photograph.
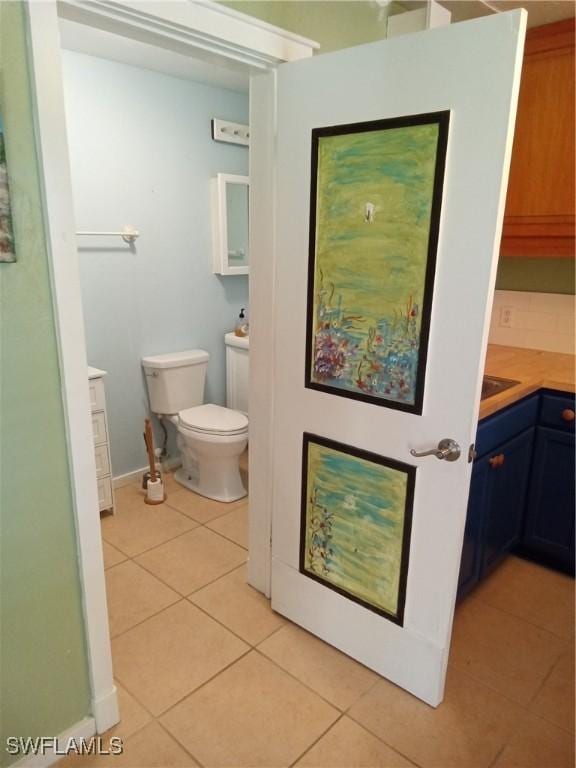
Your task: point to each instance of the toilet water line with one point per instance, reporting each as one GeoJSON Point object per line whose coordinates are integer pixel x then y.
{"type": "Point", "coordinates": [164, 451]}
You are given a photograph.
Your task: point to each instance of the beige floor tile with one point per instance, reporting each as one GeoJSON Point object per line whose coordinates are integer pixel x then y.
{"type": "Point", "coordinates": [333, 675]}
{"type": "Point", "coordinates": [507, 653]}
{"type": "Point", "coordinates": [171, 485]}
{"type": "Point", "coordinates": [233, 525]}
{"type": "Point", "coordinates": [151, 747]}
{"type": "Point", "coordinates": [193, 560]}
{"type": "Point", "coordinates": [239, 607]}
{"type": "Point", "coordinates": [128, 495]}
{"type": "Point", "coordinates": [133, 716]}
{"type": "Point", "coordinates": [199, 508]}
{"type": "Point", "coordinates": [531, 592]}
{"type": "Point", "coordinates": [555, 700]}
{"type": "Point", "coordinates": [166, 657]}
{"type": "Point", "coordinates": [348, 745]}
{"type": "Point", "coordinates": [134, 595]}
{"type": "Point", "coordinates": [253, 714]}
{"type": "Point", "coordinates": [112, 556]}
{"type": "Point", "coordinates": [466, 731]}
{"type": "Point", "coordinates": [138, 527]}
{"type": "Point", "coordinates": [538, 744]}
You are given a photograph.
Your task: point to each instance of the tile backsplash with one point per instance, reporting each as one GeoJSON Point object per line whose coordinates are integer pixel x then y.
{"type": "Point", "coordinates": [534, 320]}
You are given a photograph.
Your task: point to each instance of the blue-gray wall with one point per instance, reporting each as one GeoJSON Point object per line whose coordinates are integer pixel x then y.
{"type": "Point", "coordinates": [142, 155]}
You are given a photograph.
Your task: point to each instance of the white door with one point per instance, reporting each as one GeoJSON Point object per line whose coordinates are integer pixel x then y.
{"type": "Point", "coordinates": [377, 244]}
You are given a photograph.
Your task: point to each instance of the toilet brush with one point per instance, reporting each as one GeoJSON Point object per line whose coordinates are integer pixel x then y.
{"type": "Point", "coordinates": [154, 487]}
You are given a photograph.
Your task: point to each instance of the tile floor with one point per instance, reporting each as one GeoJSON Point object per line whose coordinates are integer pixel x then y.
{"type": "Point", "coordinates": [208, 675]}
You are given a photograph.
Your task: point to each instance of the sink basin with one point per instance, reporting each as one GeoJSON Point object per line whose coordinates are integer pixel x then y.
{"type": "Point", "coordinates": [493, 385]}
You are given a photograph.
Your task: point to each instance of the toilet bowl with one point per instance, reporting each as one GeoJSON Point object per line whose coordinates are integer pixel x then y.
{"type": "Point", "coordinates": [211, 440]}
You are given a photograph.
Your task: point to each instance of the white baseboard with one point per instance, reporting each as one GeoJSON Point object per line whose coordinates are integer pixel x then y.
{"type": "Point", "coordinates": [129, 477]}
{"type": "Point", "coordinates": [105, 710]}
{"type": "Point", "coordinates": [169, 465]}
{"type": "Point", "coordinates": [86, 728]}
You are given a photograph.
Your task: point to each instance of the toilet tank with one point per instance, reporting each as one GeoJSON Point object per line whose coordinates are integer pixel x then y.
{"type": "Point", "coordinates": [237, 348]}
{"type": "Point", "coordinates": [176, 380]}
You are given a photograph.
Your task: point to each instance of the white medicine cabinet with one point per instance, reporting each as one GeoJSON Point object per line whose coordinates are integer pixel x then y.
{"type": "Point", "coordinates": [230, 224]}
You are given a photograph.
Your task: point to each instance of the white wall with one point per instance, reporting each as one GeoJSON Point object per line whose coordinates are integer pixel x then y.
{"type": "Point", "coordinates": [533, 320]}
{"type": "Point", "coordinates": [142, 155]}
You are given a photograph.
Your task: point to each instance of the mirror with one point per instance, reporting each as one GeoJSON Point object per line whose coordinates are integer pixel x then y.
{"type": "Point", "coordinates": [230, 224]}
{"type": "Point", "coordinates": [237, 223]}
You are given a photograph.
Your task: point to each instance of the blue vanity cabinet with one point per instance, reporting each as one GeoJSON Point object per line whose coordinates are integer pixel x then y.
{"type": "Point", "coordinates": [549, 525]}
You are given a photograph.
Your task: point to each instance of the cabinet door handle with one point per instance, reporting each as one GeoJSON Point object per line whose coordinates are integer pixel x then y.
{"type": "Point", "coordinates": [568, 414]}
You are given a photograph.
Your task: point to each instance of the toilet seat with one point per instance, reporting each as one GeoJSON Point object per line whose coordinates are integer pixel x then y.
{"type": "Point", "coordinates": [213, 420]}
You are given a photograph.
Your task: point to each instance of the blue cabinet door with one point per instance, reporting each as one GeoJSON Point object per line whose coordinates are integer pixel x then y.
{"type": "Point", "coordinates": [508, 486]}
{"type": "Point", "coordinates": [472, 546]}
{"type": "Point", "coordinates": [496, 507]}
{"type": "Point", "coordinates": [549, 528]}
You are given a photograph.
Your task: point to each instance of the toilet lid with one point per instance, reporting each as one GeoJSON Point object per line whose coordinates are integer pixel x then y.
{"type": "Point", "coordinates": [214, 420]}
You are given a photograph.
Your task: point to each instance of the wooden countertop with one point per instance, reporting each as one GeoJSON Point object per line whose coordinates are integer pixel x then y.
{"type": "Point", "coordinates": [534, 370]}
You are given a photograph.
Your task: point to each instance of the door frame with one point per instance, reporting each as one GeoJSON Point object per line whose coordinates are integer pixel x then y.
{"type": "Point", "coordinates": [210, 29]}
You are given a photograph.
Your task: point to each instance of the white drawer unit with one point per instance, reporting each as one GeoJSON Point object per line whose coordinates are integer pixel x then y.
{"type": "Point", "coordinates": [101, 440]}
{"type": "Point", "coordinates": [99, 431]}
{"type": "Point", "coordinates": [105, 493]}
{"type": "Point", "coordinates": [97, 399]}
{"type": "Point", "coordinates": [102, 461]}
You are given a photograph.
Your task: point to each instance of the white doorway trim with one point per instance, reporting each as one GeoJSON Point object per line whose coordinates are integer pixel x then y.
{"type": "Point", "coordinates": [186, 26]}
{"type": "Point", "coordinates": [193, 26]}
{"type": "Point", "coordinates": [63, 262]}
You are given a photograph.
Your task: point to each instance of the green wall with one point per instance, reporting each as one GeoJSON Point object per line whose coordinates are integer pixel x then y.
{"type": "Point", "coordinates": [538, 275]}
{"type": "Point", "coordinates": [335, 24]}
{"type": "Point", "coordinates": [332, 23]}
{"type": "Point", "coordinates": [43, 666]}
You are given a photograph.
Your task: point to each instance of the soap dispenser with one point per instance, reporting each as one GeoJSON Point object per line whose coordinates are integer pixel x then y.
{"type": "Point", "coordinates": [241, 327]}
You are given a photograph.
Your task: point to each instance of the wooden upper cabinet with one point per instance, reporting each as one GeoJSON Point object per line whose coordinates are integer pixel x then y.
{"type": "Point", "coordinates": [539, 216]}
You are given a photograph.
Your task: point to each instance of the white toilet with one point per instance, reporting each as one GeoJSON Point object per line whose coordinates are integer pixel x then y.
{"type": "Point", "coordinates": [210, 437]}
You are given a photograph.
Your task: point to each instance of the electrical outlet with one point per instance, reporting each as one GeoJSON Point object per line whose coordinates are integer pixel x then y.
{"type": "Point", "coordinates": [505, 317]}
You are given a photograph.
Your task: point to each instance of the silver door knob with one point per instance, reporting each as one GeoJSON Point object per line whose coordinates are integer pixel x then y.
{"type": "Point", "coordinates": [447, 450]}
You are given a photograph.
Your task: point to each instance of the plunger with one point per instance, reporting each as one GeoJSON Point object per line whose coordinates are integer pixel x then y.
{"type": "Point", "coordinates": [154, 487]}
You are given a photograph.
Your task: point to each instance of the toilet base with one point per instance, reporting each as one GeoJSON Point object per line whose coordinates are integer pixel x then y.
{"type": "Point", "coordinates": [232, 490]}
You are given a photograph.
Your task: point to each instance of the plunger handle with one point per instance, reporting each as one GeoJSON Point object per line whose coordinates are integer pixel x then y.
{"type": "Point", "coordinates": [150, 449]}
